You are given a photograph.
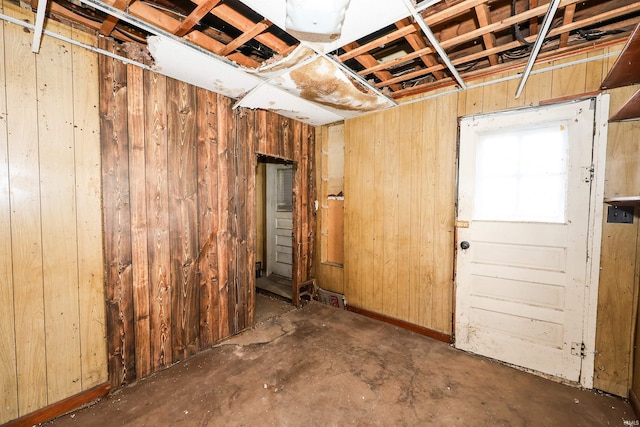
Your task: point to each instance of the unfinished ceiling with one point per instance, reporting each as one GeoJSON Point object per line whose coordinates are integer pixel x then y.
{"type": "Point", "coordinates": [387, 49]}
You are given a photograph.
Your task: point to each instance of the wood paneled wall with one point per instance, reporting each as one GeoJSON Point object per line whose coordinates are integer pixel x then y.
{"type": "Point", "coordinates": [179, 177]}
{"type": "Point", "coordinates": [400, 183]}
{"type": "Point", "coordinates": [52, 335]}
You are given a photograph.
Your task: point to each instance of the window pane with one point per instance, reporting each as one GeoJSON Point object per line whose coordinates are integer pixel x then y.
{"type": "Point", "coordinates": [521, 174]}
{"type": "Point", "coordinates": [285, 190]}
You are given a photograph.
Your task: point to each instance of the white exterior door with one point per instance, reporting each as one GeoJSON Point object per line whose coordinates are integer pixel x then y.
{"type": "Point", "coordinates": [279, 219]}
{"type": "Point", "coordinates": [523, 237]}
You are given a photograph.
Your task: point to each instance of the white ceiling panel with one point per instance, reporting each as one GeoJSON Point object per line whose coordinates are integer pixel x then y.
{"type": "Point", "coordinates": [181, 62]}
{"type": "Point", "coordinates": [286, 104]}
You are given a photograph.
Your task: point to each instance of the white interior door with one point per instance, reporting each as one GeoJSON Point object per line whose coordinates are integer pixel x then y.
{"type": "Point", "coordinates": [279, 219]}
{"type": "Point", "coordinates": [523, 217]}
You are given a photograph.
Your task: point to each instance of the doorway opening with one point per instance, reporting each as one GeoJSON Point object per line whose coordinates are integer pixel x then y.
{"type": "Point", "coordinates": [274, 227]}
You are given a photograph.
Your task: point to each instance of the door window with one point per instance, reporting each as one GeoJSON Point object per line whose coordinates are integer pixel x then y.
{"type": "Point", "coordinates": [521, 174]}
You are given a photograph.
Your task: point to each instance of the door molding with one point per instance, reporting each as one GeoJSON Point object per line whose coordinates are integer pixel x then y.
{"type": "Point", "coordinates": [594, 244]}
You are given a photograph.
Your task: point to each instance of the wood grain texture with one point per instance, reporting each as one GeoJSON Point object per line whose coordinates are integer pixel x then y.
{"type": "Point", "coordinates": [50, 221]}
{"type": "Point", "coordinates": [89, 213]}
{"type": "Point", "coordinates": [8, 362]}
{"type": "Point", "coordinates": [139, 248]}
{"type": "Point", "coordinates": [208, 218]}
{"type": "Point", "coordinates": [58, 219]}
{"type": "Point", "coordinates": [157, 194]}
{"type": "Point", "coordinates": [26, 231]}
{"type": "Point", "coordinates": [117, 220]}
{"type": "Point", "coordinates": [183, 219]}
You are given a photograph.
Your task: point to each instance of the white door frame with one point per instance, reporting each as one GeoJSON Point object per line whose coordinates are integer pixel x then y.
{"type": "Point", "coordinates": [594, 244]}
{"type": "Point", "coordinates": [596, 209]}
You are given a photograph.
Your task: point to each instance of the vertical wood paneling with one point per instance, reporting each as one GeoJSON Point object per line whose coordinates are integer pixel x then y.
{"type": "Point", "coordinates": [353, 212]}
{"type": "Point", "coordinates": [614, 340]}
{"type": "Point", "coordinates": [445, 194]}
{"type": "Point", "coordinates": [89, 212]}
{"type": "Point", "coordinates": [538, 88]}
{"type": "Point", "coordinates": [8, 363]}
{"type": "Point", "coordinates": [568, 81]}
{"type": "Point", "coordinates": [428, 176]}
{"type": "Point", "coordinates": [365, 199]}
{"type": "Point", "coordinates": [157, 193]}
{"type": "Point", "coordinates": [26, 232]}
{"type": "Point", "coordinates": [405, 200]}
{"type": "Point", "coordinates": [208, 217]}
{"type": "Point", "coordinates": [59, 239]}
{"type": "Point", "coordinates": [183, 229]}
{"type": "Point", "coordinates": [52, 342]}
{"type": "Point", "coordinates": [224, 117]}
{"type": "Point", "coordinates": [416, 144]}
{"type": "Point", "coordinates": [248, 285]}
{"type": "Point", "coordinates": [391, 208]}
{"type": "Point", "coordinates": [377, 200]}
{"type": "Point", "coordinates": [117, 220]}
{"type": "Point", "coordinates": [139, 248]}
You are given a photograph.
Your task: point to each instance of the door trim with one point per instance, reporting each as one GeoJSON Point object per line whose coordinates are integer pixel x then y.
{"type": "Point", "coordinates": [594, 243]}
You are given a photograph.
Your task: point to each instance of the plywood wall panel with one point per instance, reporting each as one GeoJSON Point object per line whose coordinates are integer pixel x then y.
{"type": "Point", "coordinates": [89, 213]}
{"type": "Point", "coordinates": [26, 232]}
{"type": "Point", "coordinates": [8, 363]}
{"type": "Point", "coordinates": [445, 195]}
{"type": "Point", "coordinates": [59, 238]}
{"type": "Point", "coordinates": [570, 80]}
{"type": "Point", "coordinates": [51, 264]}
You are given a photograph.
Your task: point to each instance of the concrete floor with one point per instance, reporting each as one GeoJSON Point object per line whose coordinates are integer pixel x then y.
{"type": "Point", "coordinates": [320, 366]}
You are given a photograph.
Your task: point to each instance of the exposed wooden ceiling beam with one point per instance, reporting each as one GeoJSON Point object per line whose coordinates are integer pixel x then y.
{"type": "Point", "coordinates": [489, 39]}
{"type": "Point", "coordinates": [244, 24]}
{"type": "Point", "coordinates": [569, 12]}
{"type": "Point", "coordinates": [367, 61]}
{"type": "Point", "coordinates": [388, 38]}
{"type": "Point", "coordinates": [533, 22]}
{"type": "Point", "coordinates": [245, 37]}
{"type": "Point", "coordinates": [416, 42]}
{"type": "Point", "coordinates": [195, 16]}
{"type": "Point", "coordinates": [111, 21]}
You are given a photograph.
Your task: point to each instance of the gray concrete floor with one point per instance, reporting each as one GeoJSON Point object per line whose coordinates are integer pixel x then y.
{"type": "Point", "coordinates": [320, 366]}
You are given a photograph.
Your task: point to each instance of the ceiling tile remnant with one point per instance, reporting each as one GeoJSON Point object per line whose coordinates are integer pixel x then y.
{"type": "Point", "coordinates": [321, 81]}
{"type": "Point", "coordinates": [176, 60]}
{"type": "Point", "coordinates": [268, 97]}
{"type": "Point", "coordinates": [317, 79]}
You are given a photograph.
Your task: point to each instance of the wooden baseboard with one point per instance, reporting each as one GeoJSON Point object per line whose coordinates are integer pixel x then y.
{"type": "Point", "coordinates": [402, 324]}
{"type": "Point", "coordinates": [635, 402]}
{"type": "Point", "coordinates": [60, 408]}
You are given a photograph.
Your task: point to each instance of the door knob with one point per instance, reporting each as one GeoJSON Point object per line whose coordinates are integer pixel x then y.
{"type": "Point", "coordinates": [465, 245]}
